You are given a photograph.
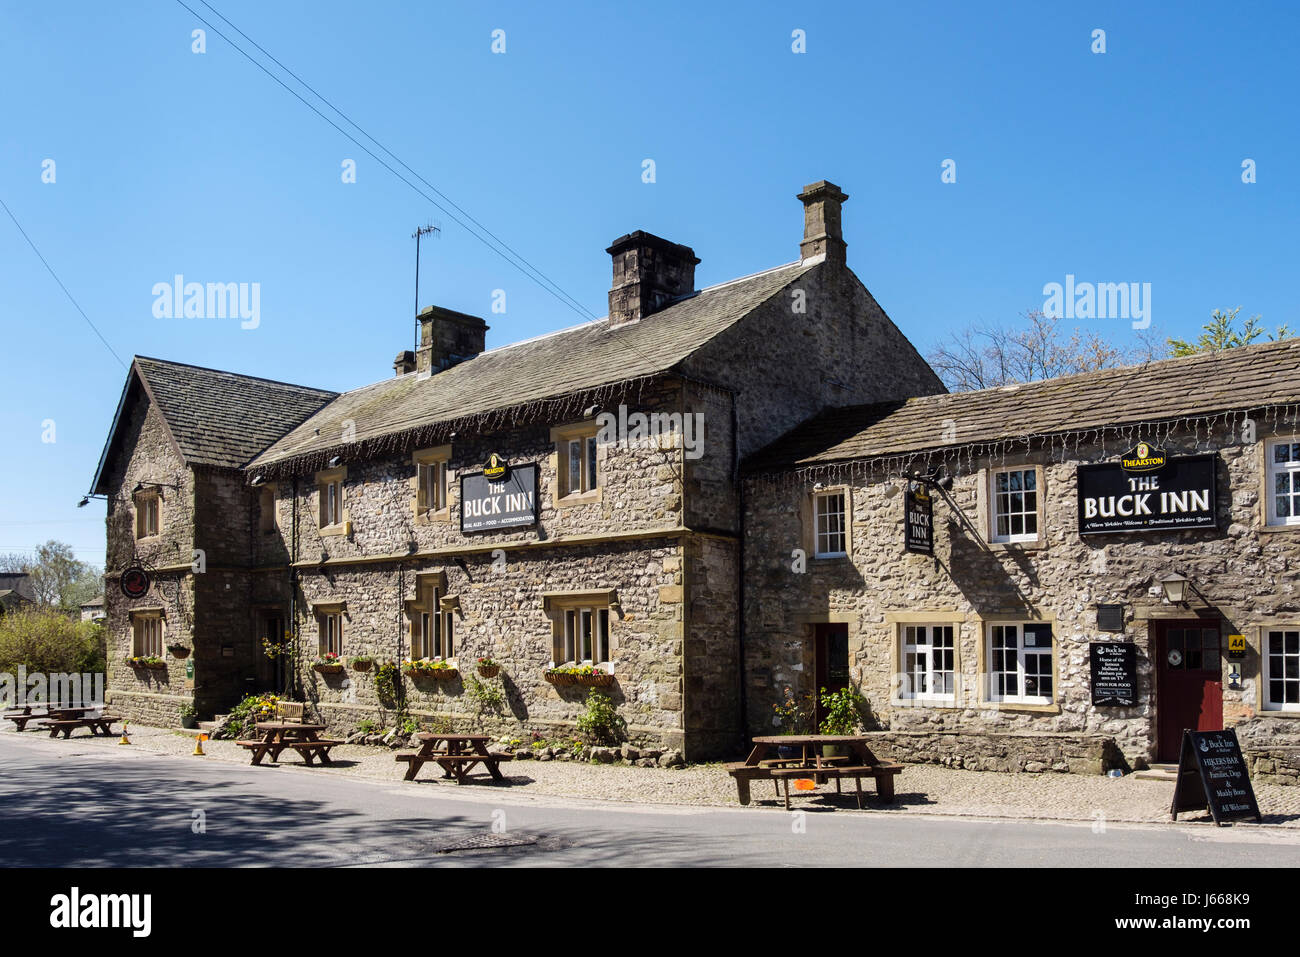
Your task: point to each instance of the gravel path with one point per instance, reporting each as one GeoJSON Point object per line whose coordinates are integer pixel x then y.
{"type": "Point", "coordinates": [922, 789]}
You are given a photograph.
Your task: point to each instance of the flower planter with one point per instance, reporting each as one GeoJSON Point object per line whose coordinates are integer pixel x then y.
{"type": "Point", "coordinates": [558, 677]}
{"type": "Point", "coordinates": [328, 669]}
{"type": "Point", "coordinates": [600, 680]}
{"type": "Point", "coordinates": [179, 651]}
{"type": "Point", "coordinates": [489, 671]}
{"type": "Point", "coordinates": [189, 721]}
{"type": "Point", "coordinates": [362, 665]}
{"type": "Point", "coordinates": [436, 674]}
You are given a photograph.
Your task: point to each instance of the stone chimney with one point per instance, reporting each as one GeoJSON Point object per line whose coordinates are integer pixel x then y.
{"type": "Point", "coordinates": [446, 338]}
{"type": "Point", "coordinates": [649, 274]}
{"type": "Point", "coordinates": [822, 232]}
{"type": "Point", "coordinates": [404, 363]}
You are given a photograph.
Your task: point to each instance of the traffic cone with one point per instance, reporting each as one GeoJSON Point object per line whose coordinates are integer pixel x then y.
{"type": "Point", "coordinates": [198, 745]}
{"type": "Point", "coordinates": [125, 739]}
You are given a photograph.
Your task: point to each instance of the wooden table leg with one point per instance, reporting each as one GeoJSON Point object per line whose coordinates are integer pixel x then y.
{"type": "Point", "coordinates": [859, 780]}
{"type": "Point", "coordinates": [885, 787]}
{"type": "Point", "coordinates": [742, 789]}
{"type": "Point", "coordinates": [786, 782]}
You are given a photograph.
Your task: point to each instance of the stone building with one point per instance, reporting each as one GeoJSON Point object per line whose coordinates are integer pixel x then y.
{"type": "Point", "coordinates": [1153, 511]}
{"type": "Point", "coordinates": [570, 500]}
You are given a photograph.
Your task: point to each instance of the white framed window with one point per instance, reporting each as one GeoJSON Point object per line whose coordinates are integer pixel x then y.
{"type": "Point", "coordinates": [1283, 501]}
{"type": "Point", "coordinates": [1013, 499]}
{"type": "Point", "coordinates": [830, 530]}
{"type": "Point", "coordinates": [148, 635]}
{"type": "Point", "coordinates": [928, 657]}
{"type": "Point", "coordinates": [1020, 662]}
{"type": "Point", "coordinates": [331, 633]}
{"type": "Point", "coordinates": [1281, 669]}
{"type": "Point", "coordinates": [585, 636]}
{"type": "Point", "coordinates": [332, 502]}
{"type": "Point", "coordinates": [148, 514]}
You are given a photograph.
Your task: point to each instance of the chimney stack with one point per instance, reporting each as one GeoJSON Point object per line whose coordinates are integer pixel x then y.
{"type": "Point", "coordinates": [404, 363]}
{"type": "Point", "coordinates": [446, 338]}
{"type": "Point", "coordinates": [649, 274]}
{"type": "Point", "coordinates": [822, 232]}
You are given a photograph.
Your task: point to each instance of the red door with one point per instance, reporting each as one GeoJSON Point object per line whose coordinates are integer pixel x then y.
{"type": "Point", "coordinates": [1189, 682]}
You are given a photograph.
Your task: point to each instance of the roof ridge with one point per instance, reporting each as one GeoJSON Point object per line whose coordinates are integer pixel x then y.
{"type": "Point", "coordinates": [237, 375]}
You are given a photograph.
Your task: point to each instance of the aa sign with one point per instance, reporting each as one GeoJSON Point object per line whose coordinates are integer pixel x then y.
{"type": "Point", "coordinates": [1237, 646]}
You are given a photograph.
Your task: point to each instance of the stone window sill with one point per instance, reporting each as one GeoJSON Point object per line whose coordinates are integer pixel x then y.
{"type": "Point", "coordinates": [930, 704]}
{"type": "Point", "coordinates": [579, 498]}
{"type": "Point", "coordinates": [1269, 713]}
{"type": "Point", "coordinates": [1033, 546]}
{"type": "Point", "coordinates": [1268, 529]}
{"type": "Point", "coordinates": [1017, 706]}
{"type": "Point", "coordinates": [424, 516]}
{"type": "Point", "coordinates": [342, 528]}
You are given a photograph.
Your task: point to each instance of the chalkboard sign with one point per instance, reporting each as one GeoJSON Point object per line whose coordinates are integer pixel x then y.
{"type": "Point", "coordinates": [1114, 673]}
{"type": "Point", "coordinates": [1212, 773]}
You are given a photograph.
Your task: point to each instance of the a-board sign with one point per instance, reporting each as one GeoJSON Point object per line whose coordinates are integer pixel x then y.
{"type": "Point", "coordinates": [918, 520]}
{"type": "Point", "coordinates": [1212, 774]}
{"type": "Point", "coordinates": [509, 502]}
{"type": "Point", "coordinates": [1113, 673]}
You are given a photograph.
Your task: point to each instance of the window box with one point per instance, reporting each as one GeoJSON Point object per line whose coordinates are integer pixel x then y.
{"type": "Point", "coordinates": [436, 670]}
{"type": "Point", "coordinates": [585, 675]}
{"type": "Point", "coordinates": [147, 661]}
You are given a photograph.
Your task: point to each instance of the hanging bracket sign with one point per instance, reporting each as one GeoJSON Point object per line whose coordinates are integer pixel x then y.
{"type": "Point", "coordinates": [918, 520]}
{"type": "Point", "coordinates": [134, 582]}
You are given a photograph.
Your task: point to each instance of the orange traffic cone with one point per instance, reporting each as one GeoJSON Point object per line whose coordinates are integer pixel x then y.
{"type": "Point", "coordinates": [198, 744]}
{"type": "Point", "coordinates": [125, 739]}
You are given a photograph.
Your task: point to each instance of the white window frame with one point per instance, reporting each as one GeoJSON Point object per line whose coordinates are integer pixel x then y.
{"type": "Point", "coordinates": [998, 498]}
{"type": "Point", "coordinates": [827, 535]}
{"type": "Point", "coordinates": [1275, 470]}
{"type": "Point", "coordinates": [1021, 671]}
{"type": "Point", "coordinates": [917, 639]}
{"type": "Point", "coordinates": [331, 632]}
{"type": "Point", "coordinates": [586, 629]}
{"type": "Point", "coordinates": [1268, 661]}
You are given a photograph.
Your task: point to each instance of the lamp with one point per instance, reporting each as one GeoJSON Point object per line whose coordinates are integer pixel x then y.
{"type": "Point", "coordinates": [85, 500]}
{"type": "Point", "coordinates": [1175, 588]}
{"type": "Point", "coordinates": [257, 480]}
{"type": "Point", "coordinates": [333, 462]}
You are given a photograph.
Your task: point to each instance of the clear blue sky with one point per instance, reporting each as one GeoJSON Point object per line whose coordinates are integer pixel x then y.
{"type": "Point", "coordinates": [1122, 166]}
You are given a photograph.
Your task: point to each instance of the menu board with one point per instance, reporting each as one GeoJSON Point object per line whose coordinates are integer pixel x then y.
{"type": "Point", "coordinates": [1212, 773]}
{"type": "Point", "coordinates": [1114, 673]}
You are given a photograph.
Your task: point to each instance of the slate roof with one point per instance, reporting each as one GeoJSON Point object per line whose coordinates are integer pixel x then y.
{"type": "Point", "coordinates": [224, 419]}
{"type": "Point", "coordinates": [1248, 377]}
{"type": "Point", "coordinates": [579, 358]}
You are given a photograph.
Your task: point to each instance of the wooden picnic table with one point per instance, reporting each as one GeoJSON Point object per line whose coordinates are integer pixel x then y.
{"type": "Point", "coordinates": [22, 715]}
{"type": "Point", "coordinates": [96, 722]}
{"type": "Point", "coordinates": [764, 764]}
{"type": "Point", "coordinates": [280, 736]}
{"type": "Point", "coordinates": [456, 754]}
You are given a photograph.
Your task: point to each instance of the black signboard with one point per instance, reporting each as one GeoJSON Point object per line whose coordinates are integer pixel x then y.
{"type": "Point", "coordinates": [1114, 673]}
{"type": "Point", "coordinates": [918, 520]}
{"type": "Point", "coordinates": [134, 582]}
{"type": "Point", "coordinates": [1212, 773]}
{"type": "Point", "coordinates": [1179, 495]}
{"type": "Point", "coordinates": [509, 502]}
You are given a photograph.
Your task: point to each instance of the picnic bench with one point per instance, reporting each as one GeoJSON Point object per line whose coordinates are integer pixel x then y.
{"type": "Point", "coordinates": [280, 736]}
{"type": "Point", "coordinates": [22, 716]}
{"type": "Point", "coordinates": [98, 724]}
{"type": "Point", "coordinates": [811, 763]}
{"type": "Point", "coordinates": [456, 754]}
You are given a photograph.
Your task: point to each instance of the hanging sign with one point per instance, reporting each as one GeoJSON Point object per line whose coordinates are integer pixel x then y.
{"type": "Point", "coordinates": [918, 520]}
{"type": "Point", "coordinates": [134, 582]}
{"type": "Point", "coordinates": [1113, 673]}
{"type": "Point", "coordinates": [496, 468]}
{"type": "Point", "coordinates": [1212, 774]}
{"type": "Point", "coordinates": [1180, 494]}
{"type": "Point", "coordinates": [508, 502]}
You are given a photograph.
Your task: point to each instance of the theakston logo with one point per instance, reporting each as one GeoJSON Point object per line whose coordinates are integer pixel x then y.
{"type": "Point", "coordinates": [1103, 300]}
{"type": "Point", "coordinates": [638, 429]}
{"type": "Point", "coordinates": [77, 910]}
{"type": "Point", "coordinates": [179, 299]}
{"type": "Point", "coordinates": [1143, 457]}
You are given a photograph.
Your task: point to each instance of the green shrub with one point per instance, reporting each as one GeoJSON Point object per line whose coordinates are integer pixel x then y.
{"type": "Point", "coordinates": [600, 723]}
{"type": "Point", "coordinates": [244, 716]}
{"type": "Point", "coordinates": [48, 641]}
{"type": "Point", "coordinates": [843, 711]}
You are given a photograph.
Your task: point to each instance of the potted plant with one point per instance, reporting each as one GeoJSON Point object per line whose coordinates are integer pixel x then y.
{"type": "Point", "coordinates": [793, 716]}
{"type": "Point", "coordinates": [189, 716]}
{"type": "Point", "coordinates": [328, 664]}
{"type": "Point", "coordinates": [179, 651]}
{"type": "Point", "coordinates": [586, 675]}
{"type": "Point", "coordinates": [488, 668]}
{"type": "Point", "coordinates": [843, 716]}
{"type": "Point", "coordinates": [362, 663]}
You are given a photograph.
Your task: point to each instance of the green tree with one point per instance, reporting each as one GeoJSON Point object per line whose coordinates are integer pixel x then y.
{"type": "Point", "coordinates": [47, 640]}
{"type": "Point", "coordinates": [58, 578]}
{"type": "Point", "coordinates": [1222, 332]}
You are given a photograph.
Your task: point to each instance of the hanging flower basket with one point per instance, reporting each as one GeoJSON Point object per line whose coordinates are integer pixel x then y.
{"type": "Point", "coordinates": [179, 651]}
{"type": "Point", "coordinates": [600, 679]}
{"type": "Point", "coordinates": [558, 677]}
{"type": "Point", "coordinates": [328, 669]}
{"type": "Point", "coordinates": [488, 668]}
{"type": "Point", "coordinates": [362, 664]}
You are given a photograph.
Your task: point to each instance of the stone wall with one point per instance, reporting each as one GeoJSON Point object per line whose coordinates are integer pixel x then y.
{"type": "Point", "coordinates": [1245, 573]}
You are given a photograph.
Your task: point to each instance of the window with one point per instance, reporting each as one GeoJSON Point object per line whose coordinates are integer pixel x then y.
{"type": "Point", "coordinates": [1015, 505]}
{"type": "Point", "coordinates": [586, 636]}
{"type": "Point", "coordinates": [333, 509]}
{"type": "Point", "coordinates": [829, 528]}
{"type": "Point", "coordinates": [148, 511]}
{"type": "Point", "coordinates": [577, 461]}
{"type": "Point", "coordinates": [1020, 663]}
{"type": "Point", "coordinates": [432, 484]}
{"type": "Point", "coordinates": [332, 512]}
{"type": "Point", "coordinates": [148, 635]}
{"type": "Point", "coordinates": [928, 662]}
{"type": "Point", "coordinates": [1282, 670]}
{"type": "Point", "coordinates": [1284, 481]}
{"type": "Point", "coordinates": [331, 632]}
{"type": "Point", "coordinates": [433, 625]}
{"type": "Point", "coordinates": [266, 510]}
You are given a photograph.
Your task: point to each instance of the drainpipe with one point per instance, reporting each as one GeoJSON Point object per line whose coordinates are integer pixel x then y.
{"type": "Point", "coordinates": [293, 582]}
{"type": "Point", "coordinates": [742, 726]}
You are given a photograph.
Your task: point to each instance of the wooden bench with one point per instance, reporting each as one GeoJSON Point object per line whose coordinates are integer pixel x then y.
{"type": "Point", "coordinates": [453, 765]}
{"type": "Point", "coordinates": [310, 750]}
{"type": "Point", "coordinates": [21, 718]}
{"type": "Point", "coordinates": [65, 726]}
{"type": "Point", "coordinates": [882, 773]}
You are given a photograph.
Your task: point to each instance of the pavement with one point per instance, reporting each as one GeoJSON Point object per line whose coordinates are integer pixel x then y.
{"type": "Point", "coordinates": [102, 804]}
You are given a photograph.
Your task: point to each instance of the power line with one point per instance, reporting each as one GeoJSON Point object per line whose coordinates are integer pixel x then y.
{"type": "Point", "coordinates": [521, 264]}
{"type": "Point", "coordinates": [50, 270]}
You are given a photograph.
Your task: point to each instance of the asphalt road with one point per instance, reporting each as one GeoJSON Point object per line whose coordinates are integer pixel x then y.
{"type": "Point", "coordinates": [67, 805]}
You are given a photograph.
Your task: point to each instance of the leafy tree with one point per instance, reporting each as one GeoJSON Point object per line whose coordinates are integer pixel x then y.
{"type": "Point", "coordinates": [57, 578]}
{"type": "Point", "coordinates": [1222, 332]}
{"type": "Point", "coordinates": [47, 640]}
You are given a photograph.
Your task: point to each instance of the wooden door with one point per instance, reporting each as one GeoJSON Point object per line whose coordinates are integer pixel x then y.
{"type": "Point", "coordinates": [1189, 682]}
{"type": "Point", "coordinates": [831, 657]}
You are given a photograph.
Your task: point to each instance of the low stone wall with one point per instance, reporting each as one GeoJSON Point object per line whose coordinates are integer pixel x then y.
{"type": "Point", "coordinates": [154, 709]}
{"type": "Point", "coordinates": [994, 751]}
{"type": "Point", "coordinates": [1279, 765]}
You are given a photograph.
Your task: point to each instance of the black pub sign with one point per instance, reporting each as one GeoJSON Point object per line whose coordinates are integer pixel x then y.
{"type": "Point", "coordinates": [488, 503]}
{"type": "Point", "coordinates": [1212, 774]}
{"type": "Point", "coordinates": [1114, 673]}
{"type": "Point", "coordinates": [1147, 490]}
{"type": "Point", "coordinates": [918, 520]}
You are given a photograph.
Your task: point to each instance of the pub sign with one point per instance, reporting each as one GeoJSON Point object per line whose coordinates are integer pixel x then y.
{"type": "Point", "coordinates": [488, 503]}
{"type": "Point", "coordinates": [918, 520]}
{"type": "Point", "coordinates": [1147, 491]}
